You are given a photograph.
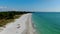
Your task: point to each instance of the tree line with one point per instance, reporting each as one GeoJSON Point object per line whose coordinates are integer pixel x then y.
{"type": "Point", "coordinates": [11, 14]}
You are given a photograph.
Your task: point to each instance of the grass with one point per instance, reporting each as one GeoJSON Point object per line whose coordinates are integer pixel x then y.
{"type": "Point", "coordinates": [3, 22]}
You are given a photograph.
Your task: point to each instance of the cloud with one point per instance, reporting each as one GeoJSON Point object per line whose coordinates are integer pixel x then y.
{"type": "Point", "coordinates": [3, 7]}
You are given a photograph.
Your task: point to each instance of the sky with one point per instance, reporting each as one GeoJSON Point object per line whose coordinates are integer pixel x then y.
{"type": "Point", "coordinates": [30, 5]}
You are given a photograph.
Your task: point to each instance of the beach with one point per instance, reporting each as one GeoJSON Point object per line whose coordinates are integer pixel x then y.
{"type": "Point", "coordinates": [22, 25]}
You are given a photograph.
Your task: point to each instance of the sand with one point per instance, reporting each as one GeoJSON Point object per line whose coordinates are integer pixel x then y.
{"type": "Point", "coordinates": [22, 25]}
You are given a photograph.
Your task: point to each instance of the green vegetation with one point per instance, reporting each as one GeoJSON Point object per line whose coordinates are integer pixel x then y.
{"type": "Point", "coordinates": [9, 16]}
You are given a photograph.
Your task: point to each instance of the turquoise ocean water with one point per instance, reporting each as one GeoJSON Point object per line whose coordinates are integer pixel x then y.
{"type": "Point", "coordinates": [47, 22]}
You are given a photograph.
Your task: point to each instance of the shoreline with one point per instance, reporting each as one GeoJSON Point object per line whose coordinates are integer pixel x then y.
{"type": "Point", "coordinates": [25, 26]}
{"type": "Point", "coordinates": [29, 26]}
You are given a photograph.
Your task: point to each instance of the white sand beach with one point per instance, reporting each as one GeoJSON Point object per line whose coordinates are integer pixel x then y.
{"type": "Point", "coordinates": [22, 25]}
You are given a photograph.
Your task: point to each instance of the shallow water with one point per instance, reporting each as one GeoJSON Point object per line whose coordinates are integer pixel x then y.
{"type": "Point", "coordinates": [47, 22]}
